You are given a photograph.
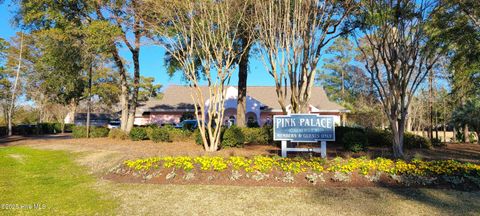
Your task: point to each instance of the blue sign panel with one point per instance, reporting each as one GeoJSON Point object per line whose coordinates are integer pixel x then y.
{"type": "Point", "coordinates": [303, 128]}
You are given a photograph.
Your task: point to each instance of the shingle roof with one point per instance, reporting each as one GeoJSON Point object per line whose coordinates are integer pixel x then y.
{"type": "Point", "coordinates": [95, 116]}
{"type": "Point", "coordinates": [178, 98]}
{"type": "Point", "coordinates": [268, 97]}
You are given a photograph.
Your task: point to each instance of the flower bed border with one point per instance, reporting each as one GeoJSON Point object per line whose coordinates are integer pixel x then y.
{"type": "Point", "coordinates": [276, 171]}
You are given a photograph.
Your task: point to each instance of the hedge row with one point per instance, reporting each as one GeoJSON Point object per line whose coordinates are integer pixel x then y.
{"type": "Point", "coordinates": [3, 131]}
{"type": "Point", "coordinates": [95, 132]}
{"type": "Point", "coordinates": [41, 128]}
{"type": "Point", "coordinates": [355, 139]}
{"type": "Point", "coordinates": [153, 133]}
{"type": "Point", "coordinates": [237, 137]}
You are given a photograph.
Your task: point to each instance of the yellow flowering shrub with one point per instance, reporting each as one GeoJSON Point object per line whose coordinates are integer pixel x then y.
{"type": "Point", "coordinates": [211, 163]}
{"type": "Point", "coordinates": [266, 164]}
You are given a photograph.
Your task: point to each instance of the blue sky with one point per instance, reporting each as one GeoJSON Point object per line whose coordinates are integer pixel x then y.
{"type": "Point", "coordinates": [151, 57]}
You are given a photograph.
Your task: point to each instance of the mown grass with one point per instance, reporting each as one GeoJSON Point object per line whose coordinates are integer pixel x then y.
{"type": "Point", "coordinates": [150, 199]}
{"type": "Point", "coordinates": [50, 179]}
{"type": "Point", "coordinates": [29, 176]}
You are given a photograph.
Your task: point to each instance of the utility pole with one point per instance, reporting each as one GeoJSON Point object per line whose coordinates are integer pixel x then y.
{"type": "Point", "coordinates": [14, 90]}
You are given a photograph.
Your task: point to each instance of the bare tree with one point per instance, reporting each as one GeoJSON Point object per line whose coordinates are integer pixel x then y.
{"type": "Point", "coordinates": [205, 31]}
{"type": "Point", "coordinates": [396, 55]}
{"type": "Point", "coordinates": [293, 35]}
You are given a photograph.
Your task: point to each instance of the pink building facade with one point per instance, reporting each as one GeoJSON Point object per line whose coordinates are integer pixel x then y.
{"type": "Point", "coordinates": [262, 105]}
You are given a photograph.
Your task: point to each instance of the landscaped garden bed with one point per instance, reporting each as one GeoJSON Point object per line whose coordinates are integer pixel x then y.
{"type": "Point", "coordinates": [276, 171]}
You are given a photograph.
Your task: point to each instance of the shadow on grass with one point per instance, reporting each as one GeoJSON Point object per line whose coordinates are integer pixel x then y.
{"type": "Point", "coordinates": [396, 201]}
{"type": "Point", "coordinates": [5, 141]}
{"type": "Point", "coordinates": [446, 201]}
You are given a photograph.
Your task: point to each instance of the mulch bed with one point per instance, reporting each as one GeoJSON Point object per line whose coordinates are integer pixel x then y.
{"type": "Point", "coordinates": [274, 179]}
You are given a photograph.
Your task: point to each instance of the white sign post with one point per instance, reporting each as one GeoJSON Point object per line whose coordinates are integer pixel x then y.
{"type": "Point", "coordinates": [304, 128]}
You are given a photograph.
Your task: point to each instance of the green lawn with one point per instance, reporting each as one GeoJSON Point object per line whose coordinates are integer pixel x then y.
{"type": "Point", "coordinates": [51, 179]}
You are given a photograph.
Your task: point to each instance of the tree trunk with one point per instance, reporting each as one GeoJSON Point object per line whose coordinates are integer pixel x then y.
{"type": "Point", "coordinates": [445, 121]}
{"type": "Point", "coordinates": [73, 110]}
{"type": "Point", "coordinates": [9, 119]}
{"type": "Point", "coordinates": [89, 102]}
{"type": "Point", "coordinates": [454, 134]}
{"type": "Point", "coordinates": [136, 81]}
{"type": "Point", "coordinates": [63, 127]}
{"type": "Point", "coordinates": [465, 134]}
{"type": "Point", "coordinates": [242, 84]}
{"type": "Point", "coordinates": [398, 131]}
{"type": "Point", "coordinates": [135, 50]}
{"type": "Point", "coordinates": [124, 103]}
{"type": "Point", "coordinates": [14, 90]}
{"type": "Point", "coordinates": [343, 86]}
{"type": "Point", "coordinates": [430, 105]}
{"type": "Point", "coordinates": [436, 124]}
{"type": "Point", "coordinates": [478, 136]}
{"type": "Point", "coordinates": [445, 132]}
{"type": "Point", "coordinates": [124, 88]}
{"type": "Point", "coordinates": [409, 123]}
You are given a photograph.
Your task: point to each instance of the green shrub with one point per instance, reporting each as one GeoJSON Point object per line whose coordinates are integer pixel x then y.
{"type": "Point", "coordinates": [415, 141]}
{"type": "Point", "coordinates": [3, 131]}
{"type": "Point", "coordinates": [46, 128]}
{"type": "Point", "coordinates": [460, 136]}
{"type": "Point", "coordinates": [68, 127]}
{"type": "Point", "coordinates": [354, 141]}
{"type": "Point", "coordinates": [49, 128]}
{"type": "Point", "coordinates": [381, 138]}
{"type": "Point", "coordinates": [233, 137]}
{"type": "Point", "coordinates": [268, 130]}
{"type": "Point", "coordinates": [138, 133]}
{"type": "Point", "coordinates": [117, 134]}
{"type": "Point", "coordinates": [437, 142]}
{"type": "Point", "coordinates": [24, 129]}
{"type": "Point", "coordinates": [178, 134]}
{"type": "Point", "coordinates": [341, 131]}
{"type": "Point", "coordinates": [57, 127]}
{"type": "Point", "coordinates": [384, 138]}
{"type": "Point", "coordinates": [95, 132]}
{"type": "Point", "coordinates": [188, 127]}
{"type": "Point", "coordinates": [472, 138]}
{"type": "Point", "coordinates": [256, 135]}
{"type": "Point", "coordinates": [198, 137]}
{"type": "Point", "coordinates": [152, 126]}
{"type": "Point", "coordinates": [79, 132]}
{"type": "Point", "coordinates": [157, 134]}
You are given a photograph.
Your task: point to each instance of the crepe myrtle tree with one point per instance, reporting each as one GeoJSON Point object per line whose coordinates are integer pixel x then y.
{"type": "Point", "coordinates": [292, 36]}
{"type": "Point", "coordinates": [394, 41]}
{"type": "Point", "coordinates": [201, 35]}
